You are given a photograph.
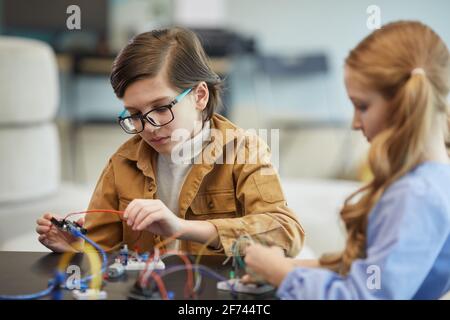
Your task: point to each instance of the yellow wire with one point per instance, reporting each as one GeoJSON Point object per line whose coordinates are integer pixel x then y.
{"type": "Point", "coordinates": [64, 261]}
{"type": "Point", "coordinates": [199, 256]}
{"type": "Point", "coordinates": [96, 267]}
{"type": "Point", "coordinates": [94, 263]}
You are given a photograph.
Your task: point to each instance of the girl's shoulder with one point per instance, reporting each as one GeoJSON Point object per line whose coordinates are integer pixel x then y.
{"type": "Point", "coordinates": [428, 185]}
{"type": "Point", "coordinates": [421, 197]}
{"type": "Point", "coordinates": [428, 177]}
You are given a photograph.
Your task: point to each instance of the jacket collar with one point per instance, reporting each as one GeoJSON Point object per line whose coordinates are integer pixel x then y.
{"type": "Point", "coordinates": [139, 151]}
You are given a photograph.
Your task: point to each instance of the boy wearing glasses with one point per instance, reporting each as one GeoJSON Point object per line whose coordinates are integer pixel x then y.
{"type": "Point", "coordinates": [180, 174]}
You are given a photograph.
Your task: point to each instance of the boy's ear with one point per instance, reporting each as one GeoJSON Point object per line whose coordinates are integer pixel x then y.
{"type": "Point", "coordinates": [201, 95]}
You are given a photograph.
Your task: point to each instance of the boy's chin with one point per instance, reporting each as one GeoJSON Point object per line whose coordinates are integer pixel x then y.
{"type": "Point", "coordinates": [163, 149]}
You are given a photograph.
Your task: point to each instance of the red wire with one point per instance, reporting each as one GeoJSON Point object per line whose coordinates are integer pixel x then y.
{"type": "Point", "coordinates": [95, 211]}
{"type": "Point", "coordinates": [102, 211]}
{"type": "Point", "coordinates": [161, 286]}
{"type": "Point", "coordinates": [189, 288]}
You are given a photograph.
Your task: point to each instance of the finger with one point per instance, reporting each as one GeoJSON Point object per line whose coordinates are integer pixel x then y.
{"type": "Point", "coordinates": [130, 209]}
{"type": "Point", "coordinates": [49, 216]}
{"type": "Point", "coordinates": [152, 218]}
{"type": "Point", "coordinates": [136, 208]}
{"type": "Point", "coordinates": [143, 213]}
{"type": "Point", "coordinates": [132, 206]}
{"type": "Point", "coordinates": [42, 229]}
{"type": "Point", "coordinates": [247, 259]}
{"type": "Point", "coordinates": [43, 222]}
{"type": "Point", "coordinates": [247, 279]}
{"type": "Point", "coordinates": [43, 239]}
{"type": "Point", "coordinates": [248, 249]}
{"type": "Point", "coordinates": [140, 215]}
{"type": "Point", "coordinates": [81, 221]}
{"type": "Point", "coordinates": [127, 210]}
{"type": "Point", "coordinates": [131, 212]}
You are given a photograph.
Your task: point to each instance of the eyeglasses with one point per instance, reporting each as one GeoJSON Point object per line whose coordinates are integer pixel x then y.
{"type": "Point", "coordinates": [157, 117]}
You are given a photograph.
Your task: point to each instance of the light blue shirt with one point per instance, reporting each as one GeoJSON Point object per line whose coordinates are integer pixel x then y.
{"type": "Point", "coordinates": [408, 246]}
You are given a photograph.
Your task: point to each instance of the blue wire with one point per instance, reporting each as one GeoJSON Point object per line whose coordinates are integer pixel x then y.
{"type": "Point", "coordinates": [77, 233]}
{"type": "Point", "coordinates": [31, 296]}
{"type": "Point", "coordinates": [52, 286]}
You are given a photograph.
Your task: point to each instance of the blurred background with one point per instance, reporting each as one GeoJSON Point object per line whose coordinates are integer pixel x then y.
{"type": "Point", "coordinates": [282, 61]}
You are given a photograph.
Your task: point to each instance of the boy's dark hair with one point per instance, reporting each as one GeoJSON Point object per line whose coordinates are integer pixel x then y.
{"type": "Point", "coordinates": [179, 51]}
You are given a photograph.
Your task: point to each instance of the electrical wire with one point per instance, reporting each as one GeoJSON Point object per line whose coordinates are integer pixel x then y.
{"type": "Point", "coordinates": [208, 271]}
{"type": "Point", "coordinates": [144, 275]}
{"type": "Point", "coordinates": [56, 281]}
{"type": "Point", "coordinates": [31, 296]}
{"type": "Point", "coordinates": [198, 277]}
{"type": "Point", "coordinates": [161, 286]}
{"type": "Point", "coordinates": [203, 268]}
{"type": "Point", "coordinates": [158, 280]}
{"type": "Point", "coordinates": [102, 252]}
{"type": "Point", "coordinates": [119, 213]}
{"type": "Point", "coordinates": [94, 211]}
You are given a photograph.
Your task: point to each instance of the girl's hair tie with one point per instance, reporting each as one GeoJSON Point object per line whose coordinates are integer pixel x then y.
{"type": "Point", "coordinates": [420, 71]}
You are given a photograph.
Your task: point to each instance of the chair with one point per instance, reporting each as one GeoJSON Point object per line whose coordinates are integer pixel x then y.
{"type": "Point", "coordinates": [30, 181]}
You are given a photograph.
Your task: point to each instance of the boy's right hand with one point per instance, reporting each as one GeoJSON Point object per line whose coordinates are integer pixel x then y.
{"type": "Point", "coordinates": [53, 238]}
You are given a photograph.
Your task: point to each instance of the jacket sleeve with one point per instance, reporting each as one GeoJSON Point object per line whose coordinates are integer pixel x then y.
{"type": "Point", "coordinates": [266, 218]}
{"type": "Point", "coordinates": [105, 228]}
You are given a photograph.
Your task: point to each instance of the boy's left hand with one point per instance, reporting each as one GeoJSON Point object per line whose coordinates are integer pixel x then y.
{"type": "Point", "coordinates": [152, 215]}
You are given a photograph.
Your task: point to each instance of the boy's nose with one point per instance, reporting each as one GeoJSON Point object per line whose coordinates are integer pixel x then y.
{"type": "Point", "coordinates": [356, 123]}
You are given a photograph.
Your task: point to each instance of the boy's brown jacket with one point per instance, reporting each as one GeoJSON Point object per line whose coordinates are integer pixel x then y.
{"type": "Point", "coordinates": [237, 198]}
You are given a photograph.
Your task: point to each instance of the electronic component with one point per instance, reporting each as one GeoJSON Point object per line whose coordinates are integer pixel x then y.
{"type": "Point", "coordinates": [132, 261]}
{"type": "Point", "coordinates": [237, 286]}
{"type": "Point", "coordinates": [67, 225]}
{"type": "Point", "coordinates": [89, 294]}
{"type": "Point", "coordinates": [140, 265]}
{"type": "Point", "coordinates": [124, 255]}
{"type": "Point", "coordinates": [115, 270]}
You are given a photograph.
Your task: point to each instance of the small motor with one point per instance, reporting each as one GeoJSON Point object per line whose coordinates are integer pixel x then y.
{"type": "Point", "coordinates": [115, 270]}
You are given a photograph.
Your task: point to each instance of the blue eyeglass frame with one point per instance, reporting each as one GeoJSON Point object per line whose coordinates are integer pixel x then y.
{"type": "Point", "coordinates": [144, 117]}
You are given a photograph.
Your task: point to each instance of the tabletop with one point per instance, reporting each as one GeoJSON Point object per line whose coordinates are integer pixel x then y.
{"type": "Point", "coordinates": [29, 272]}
